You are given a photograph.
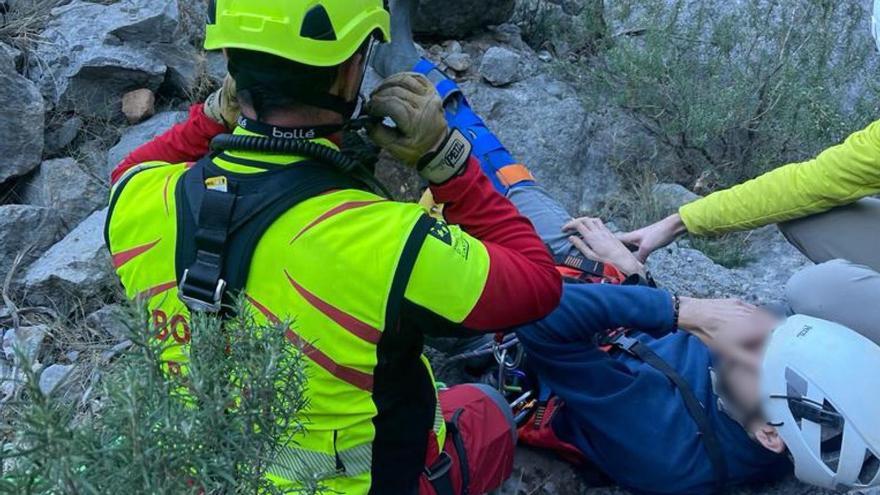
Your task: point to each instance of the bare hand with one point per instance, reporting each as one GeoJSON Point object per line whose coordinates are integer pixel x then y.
{"type": "Point", "coordinates": [655, 236]}
{"type": "Point", "coordinates": [732, 328]}
{"type": "Point", "coordinates": [596, 242]}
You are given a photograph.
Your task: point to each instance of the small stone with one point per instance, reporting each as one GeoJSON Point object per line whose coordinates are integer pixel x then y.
{"type": "Point", "coordinates": [110, 321]}
{"type": "Point", "coordinates": [114, 351]}
{"type": "Point", "coordinates": [500, 66]}
{"type": "Point", "coordinates": [62, 136]}
{"type": "Point", "coordinates": [27, 340]}
{"type": "Point", "coordinates": [72, 356]}
{"type": "Point", "coordinates": [53, 376]}
{"type": "Point", "coordinates": [452, 47]}
{"type": "Point", "coordinates": [545, 56]}
{"type": "Point", "coordinates": [10, 57]}
{"type": "Point", "coordinates": [459, 62]}
{"type": "Point", "coordinates": [138, 105]}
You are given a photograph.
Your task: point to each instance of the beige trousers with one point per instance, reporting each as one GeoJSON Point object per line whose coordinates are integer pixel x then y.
{"type": "Point", "coordinates": [845, 284]}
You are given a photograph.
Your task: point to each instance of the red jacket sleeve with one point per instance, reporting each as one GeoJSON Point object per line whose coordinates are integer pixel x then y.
{"type": "Point", "coordinates": [523, 284]}
{"type": "Point", "coordinates": [185, 142]}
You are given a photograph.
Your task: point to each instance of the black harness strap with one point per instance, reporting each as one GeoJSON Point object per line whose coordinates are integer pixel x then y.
{"type": "Point", "coordinates": [440, 473]}
{"type": "Point", "coordinates": [219, 228]}
{"type": "Point", "coordinates": [202, 285]}
{"type": "Point", "coordinates": [638, 349]}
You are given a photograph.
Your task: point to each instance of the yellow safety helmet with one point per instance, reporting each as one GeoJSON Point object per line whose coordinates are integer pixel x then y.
{"type": "Point", "coordinates": [320, 33]}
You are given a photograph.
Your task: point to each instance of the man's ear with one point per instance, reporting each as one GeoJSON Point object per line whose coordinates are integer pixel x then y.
{"type": "Point", "coordinates": [769, 438]}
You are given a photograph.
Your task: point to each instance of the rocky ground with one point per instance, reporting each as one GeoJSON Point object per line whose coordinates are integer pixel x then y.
{"type": "Point", "coordinates": [95, 80]}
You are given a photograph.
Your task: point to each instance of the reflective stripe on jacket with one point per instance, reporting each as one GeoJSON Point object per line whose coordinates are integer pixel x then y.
{"type": "Point", "coordinates": [840, 175]}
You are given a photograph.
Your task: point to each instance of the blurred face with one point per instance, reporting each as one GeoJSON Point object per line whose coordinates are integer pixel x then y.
{"type": "Point", "coordinates": [742, 388]}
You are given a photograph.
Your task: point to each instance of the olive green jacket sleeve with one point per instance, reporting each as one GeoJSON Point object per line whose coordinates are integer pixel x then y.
{"type": "Point", "coordinates": [838, 176]}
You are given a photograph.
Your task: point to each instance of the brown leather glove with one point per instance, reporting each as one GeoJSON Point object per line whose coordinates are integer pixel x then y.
{"type": "Point", "coordinates": [222, 105]}
{"type": "Point", "coordinates": [421, 138]}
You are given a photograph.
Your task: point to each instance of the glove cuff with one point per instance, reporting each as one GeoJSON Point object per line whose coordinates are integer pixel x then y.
{"type": "Point", "coordinates": [448, 161]}
{"type": "Point", "coordinates": [213, 109]}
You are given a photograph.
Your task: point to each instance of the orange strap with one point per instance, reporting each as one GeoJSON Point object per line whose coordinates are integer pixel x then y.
{"type": "Point", "coordinates": [513, 174]}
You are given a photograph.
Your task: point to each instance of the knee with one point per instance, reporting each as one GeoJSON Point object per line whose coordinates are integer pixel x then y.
{"type": "Point", "coordinates": [818, 290]}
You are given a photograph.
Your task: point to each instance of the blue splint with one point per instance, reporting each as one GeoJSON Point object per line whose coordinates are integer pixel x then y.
{"type": "Point", "coordinates": [493, 156]}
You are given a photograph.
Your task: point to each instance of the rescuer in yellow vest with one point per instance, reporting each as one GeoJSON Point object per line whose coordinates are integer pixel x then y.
{"type": "Point", "coordinates": [277, 214]}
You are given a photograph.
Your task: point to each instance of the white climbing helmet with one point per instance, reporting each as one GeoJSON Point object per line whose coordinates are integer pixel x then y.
{"type": "Point", "coordinates": [875, 23]}
{"type": "Point", "coordinates": [820, 387]}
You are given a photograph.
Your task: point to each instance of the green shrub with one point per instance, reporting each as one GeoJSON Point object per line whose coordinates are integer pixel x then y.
{"type": "Point", "coordinates": [731, 89]}
{"type": "Point", "coordinates": [212, 429]}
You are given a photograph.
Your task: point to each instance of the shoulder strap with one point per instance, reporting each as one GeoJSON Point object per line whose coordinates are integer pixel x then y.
{"type": "Point", "coordinates": [219, 225]}
{"type": "Point", "coordinates": [405, 268]}
{"type": "Point", "coordinates": [695, 409]}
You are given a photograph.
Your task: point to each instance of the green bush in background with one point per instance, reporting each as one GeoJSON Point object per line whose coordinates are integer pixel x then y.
{"type": "Point", "coordinates": [730, 89]}
{"type": "Point", "coordinates": [213, 429]}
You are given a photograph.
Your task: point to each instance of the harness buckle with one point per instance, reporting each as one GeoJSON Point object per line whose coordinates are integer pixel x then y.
{"type": "Point", "coordinates": [440, 467]}
{"type": "Point", "coordinates": [622, 341]}
{"type": "Point", "coordinates": [198, 305]}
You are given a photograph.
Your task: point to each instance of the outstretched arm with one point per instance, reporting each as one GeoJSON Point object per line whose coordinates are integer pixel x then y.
{"type": "Point", "coordinates": [838, 176]}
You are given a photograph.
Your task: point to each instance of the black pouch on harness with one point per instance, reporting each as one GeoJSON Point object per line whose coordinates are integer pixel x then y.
{"type": "Point", "coordinates": [223, 215]}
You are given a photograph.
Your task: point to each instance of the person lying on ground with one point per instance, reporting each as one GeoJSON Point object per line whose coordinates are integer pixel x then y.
{"type": "Point", "coordinates": [701, 394]}
{"type": "Point", "coordinates": [363, 277]}
{"type": "Point", "coordinates": [824, 207]}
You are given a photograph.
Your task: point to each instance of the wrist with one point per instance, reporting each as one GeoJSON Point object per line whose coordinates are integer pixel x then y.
{"type": "Point", "coordinates": [690, 314]}
{"type": "Point", "coordinates": [447, 159]}
{"type": "Point", "coordinates": [675, 225]}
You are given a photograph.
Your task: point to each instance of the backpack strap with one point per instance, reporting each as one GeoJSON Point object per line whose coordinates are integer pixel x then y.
{"type": "Point", "coordinates": [223, 215]}
{"type": "Point", "coordinates": [639, 350]}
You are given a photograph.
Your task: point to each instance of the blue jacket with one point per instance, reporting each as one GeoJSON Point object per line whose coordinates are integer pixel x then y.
{"type": "Point", "coordinates": [622, 414]}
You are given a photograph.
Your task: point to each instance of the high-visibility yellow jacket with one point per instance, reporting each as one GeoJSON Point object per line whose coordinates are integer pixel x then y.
{"type": "Point", "coordinates": [333, 265]}
{"type": "Point", "coordinates": [840, 175]}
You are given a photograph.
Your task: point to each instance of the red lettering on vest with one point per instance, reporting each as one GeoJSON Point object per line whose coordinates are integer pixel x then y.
{"type": "Point", "coordinates": [160, 324]}
{"type": "Point", "coordinates": [180, 329]}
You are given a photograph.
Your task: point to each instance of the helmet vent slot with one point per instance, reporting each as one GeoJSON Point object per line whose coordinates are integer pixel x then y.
{"type": "Point", "coordinates": [317, 25]}
{"type": "Point", "coordinates": [870, 469]}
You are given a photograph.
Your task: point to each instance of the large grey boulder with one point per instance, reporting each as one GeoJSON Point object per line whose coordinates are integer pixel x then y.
{"type": "Point", "coordinates": [92, 54]}
{"type": "Point", "coordinates": [26, 229]}
{"type": "Point", "coordinates": [65, 186]}
{"type": "Point", "coordinates": [544, 125]}
{"type": "Point", "coordinates": [74, 270]}
{"type": "Point", "coordinates": [137, 135]}
{"type": "Point", "coordinates": [21, 126]}
{"type": "Point", "coordinates": [458, 18]}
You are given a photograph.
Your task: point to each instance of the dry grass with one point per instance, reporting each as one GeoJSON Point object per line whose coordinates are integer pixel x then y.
{"type": "Point", "coordinates": [25, 21]}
